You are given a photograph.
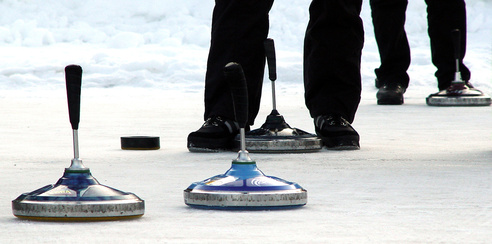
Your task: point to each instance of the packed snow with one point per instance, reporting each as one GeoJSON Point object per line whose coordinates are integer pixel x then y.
{"type": "Point", "coordinates": [423, 174]}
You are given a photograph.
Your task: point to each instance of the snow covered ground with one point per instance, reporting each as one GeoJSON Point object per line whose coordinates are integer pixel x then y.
{"type": "Point", "coordinates": [423, 174]}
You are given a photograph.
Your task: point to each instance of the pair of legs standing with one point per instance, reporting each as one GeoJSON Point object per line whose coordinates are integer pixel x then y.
{"type": "Point", "coordinates": [443, 17]}
{"type": "Point", "coordinates": [332, 54]}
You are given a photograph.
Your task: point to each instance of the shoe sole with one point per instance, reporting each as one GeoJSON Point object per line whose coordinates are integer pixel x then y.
{"type": "Point", "coordinates": [341, 142]}
{"type": "Point", "coordinates": [390, 101]}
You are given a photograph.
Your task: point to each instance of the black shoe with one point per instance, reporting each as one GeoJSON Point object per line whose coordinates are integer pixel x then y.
{"type": "Point", "coordinates": [336, 132]}
{"type": "Point", "coordinates": [216, 134]}
{"type": "Point", "coordinates": [391, 94]}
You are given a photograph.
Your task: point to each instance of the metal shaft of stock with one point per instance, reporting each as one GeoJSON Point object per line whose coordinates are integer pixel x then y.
{"type": "Point", "coordinates": [73, 78]}
{"type": "Point", "coordinates": [455, 34]}
{"type": "Point", "coordinates": [234, 75]}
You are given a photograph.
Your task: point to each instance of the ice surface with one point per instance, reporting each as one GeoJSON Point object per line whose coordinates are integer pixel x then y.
{"type": "Point", "coordinates": [423, 174]}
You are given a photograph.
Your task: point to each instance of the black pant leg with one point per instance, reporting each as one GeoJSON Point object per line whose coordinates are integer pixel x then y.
{"type": "Point", "coordinates": [332, 56]}
{"type": "Point", "coordinates": [388, 17]}
{"type": "Point", "coordinates": [239, 28]}
{"type": "Point", "coordinates": [443, 17]}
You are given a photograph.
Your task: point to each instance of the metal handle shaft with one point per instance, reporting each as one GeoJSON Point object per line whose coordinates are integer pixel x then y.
{"type": "Point", "coordinates": [73, 78]}
{"type": "Point", "coordinates": [456, 37]}
{"type": "Point", "coordinates": [234, 75]}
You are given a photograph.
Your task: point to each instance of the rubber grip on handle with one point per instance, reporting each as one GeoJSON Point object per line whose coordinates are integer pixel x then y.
{"type": "Point", "coordinates": [234, 75]}
{"type": "Point", "coordinates": [271, 60]}
{"type": "Point", "coordinates": [456, 36]}
{"type": "Point", "coordinates": [73, 77]}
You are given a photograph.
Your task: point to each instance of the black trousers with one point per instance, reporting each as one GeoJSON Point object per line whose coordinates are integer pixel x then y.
{"type": "Point", "coordinates": [443, 16]}
{"type": "Point", "coordinates": [333, 44]}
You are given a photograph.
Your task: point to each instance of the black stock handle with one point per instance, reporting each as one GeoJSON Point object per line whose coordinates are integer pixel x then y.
{"type": "Point", "coordinates": [271, 60]}
{"type": "Point", "coordinates": [234, 75]}
{"type": "Point", "coordinates": [456, 36]}
{"type": "Point", "coordinates": [73, 77]}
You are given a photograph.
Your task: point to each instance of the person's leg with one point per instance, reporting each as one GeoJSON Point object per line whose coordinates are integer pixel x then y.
{"type": "Point", "coordinates": [332, 80]}
{"type": "Point", "coordinates": [388, 18]}
{"type": "Point", "coordinates": [239, 28]}
{"type": "Point", "coordinates": [332, 56]}
{"type": "Point", "coordinates": [443, 17]}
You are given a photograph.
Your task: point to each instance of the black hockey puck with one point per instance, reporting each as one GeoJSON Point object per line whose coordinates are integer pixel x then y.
{"type": "Point", "coordinates": [140, 143]}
